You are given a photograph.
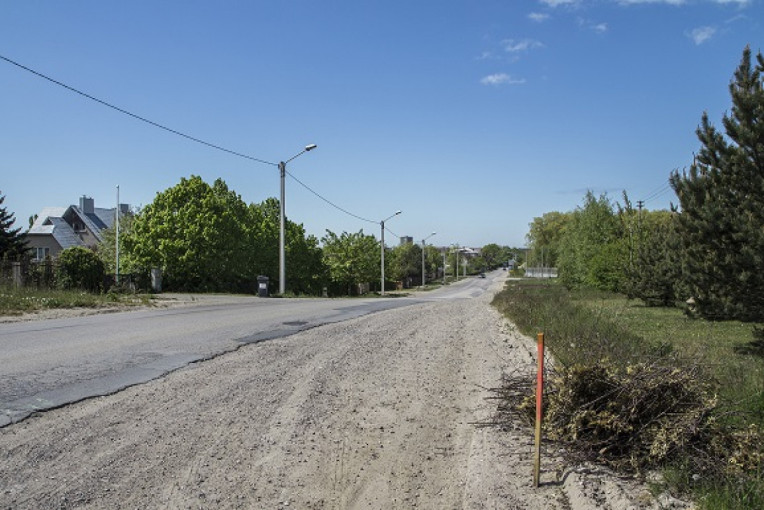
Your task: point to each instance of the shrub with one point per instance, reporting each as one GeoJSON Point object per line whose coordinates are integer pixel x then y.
{"type": "Point", "coordinates": [80, 268]}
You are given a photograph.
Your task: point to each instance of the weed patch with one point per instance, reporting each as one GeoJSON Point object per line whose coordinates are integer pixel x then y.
{"type": "Point", "coordinates": [639, 388]}
{"type": "Point", "coordinates": [18, 301]}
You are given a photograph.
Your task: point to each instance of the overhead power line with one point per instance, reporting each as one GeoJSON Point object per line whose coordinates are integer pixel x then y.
{"type": "Point", "coordinates": [133, 115]}
{"type": "Point", "coordinates": [329, 201]}
{"type": "Point", "coordinates": [658, 192]}
{"type": "Point", "coordinates": [176, 132]}
{"type": "Point", "coordinates": [393, 233]}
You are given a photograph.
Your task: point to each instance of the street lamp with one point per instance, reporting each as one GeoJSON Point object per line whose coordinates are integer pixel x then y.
{"type": "Point", "coordinates": [456, 264]}
{"type": "Point", "coordinates": [282, 217]}
{"type": "Point", "coordinates": [382, 225]}
{"type": "Point", "coordinates": [444, 265]}
{"type": "Point", "coordinates": [423, 245]}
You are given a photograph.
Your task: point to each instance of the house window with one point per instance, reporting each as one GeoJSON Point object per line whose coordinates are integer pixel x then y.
{"type": "Point", "coordinates": [42, 253]}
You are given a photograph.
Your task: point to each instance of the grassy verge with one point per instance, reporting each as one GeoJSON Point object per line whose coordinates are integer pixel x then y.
{"type": "Point", "coordinates": [18, 301]}
{"type": "Point", "coordinates": [582, 327]}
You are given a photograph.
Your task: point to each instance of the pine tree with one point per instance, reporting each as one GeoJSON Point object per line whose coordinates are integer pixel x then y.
{"type": "Point", "coordinates": [722, 201]}
{"type": "Point", "coordinates": [12, 242]}
{"type": "Point", "coordinates": [658, 263]}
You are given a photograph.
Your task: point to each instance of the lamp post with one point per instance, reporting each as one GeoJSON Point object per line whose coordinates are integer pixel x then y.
{"type": "Point", "coordinates": [444, 265]}
{"type": "Point", "coordinates": [382, 225]}
{"type": "Point", "coordinates": [456, 261]}
{"type": "Point", "coordinates": [423, 245]}
{"type": "Point", "coordinates": [116, 241]}
{"type": "Point", "coordinates": [282, 218]}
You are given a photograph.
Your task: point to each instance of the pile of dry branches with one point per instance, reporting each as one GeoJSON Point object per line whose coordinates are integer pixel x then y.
{"type": "Point", "coordinates": [641, 416]}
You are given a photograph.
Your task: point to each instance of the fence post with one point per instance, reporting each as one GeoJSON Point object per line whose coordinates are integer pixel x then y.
{"type": "Point", "coordinates": [18, 277]}
{"type": "Point", "coordinates": [539, 409]}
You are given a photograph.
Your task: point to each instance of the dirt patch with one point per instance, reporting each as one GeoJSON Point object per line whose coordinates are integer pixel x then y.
{"type": "Point", "coordinates": [160, 301]}
{"type": "Point", "coordinates": [376, 412]}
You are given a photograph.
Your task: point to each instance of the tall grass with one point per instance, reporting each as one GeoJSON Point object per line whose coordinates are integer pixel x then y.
{"type": "Point", "coordinates": [16, 301]}
{"type": "Point", "coordinates": [584, 326]}
{"type": "Point", "coordinates": [575, 333]}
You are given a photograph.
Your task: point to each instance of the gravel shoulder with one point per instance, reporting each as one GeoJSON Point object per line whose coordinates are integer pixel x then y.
{"type": "Point", "coordinates": [375, 412]}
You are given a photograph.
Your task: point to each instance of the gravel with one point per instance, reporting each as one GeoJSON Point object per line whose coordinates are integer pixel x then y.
{"type": "Point", "coordinates": [375, 412]}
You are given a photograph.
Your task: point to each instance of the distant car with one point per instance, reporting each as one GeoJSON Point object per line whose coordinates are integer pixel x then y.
{"type": "Point", "coordinates": [482, 275]}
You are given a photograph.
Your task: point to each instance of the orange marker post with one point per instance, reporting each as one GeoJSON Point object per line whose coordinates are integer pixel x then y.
{"type": "Point", "coordinates": [539, 404]}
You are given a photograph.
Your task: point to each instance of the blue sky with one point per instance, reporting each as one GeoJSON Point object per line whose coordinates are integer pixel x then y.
{"type": "Point", "coordinates": [472, 117]}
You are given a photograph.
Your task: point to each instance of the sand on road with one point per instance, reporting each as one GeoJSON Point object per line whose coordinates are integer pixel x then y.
{"type": "Point", "coordinates": [376, 412]}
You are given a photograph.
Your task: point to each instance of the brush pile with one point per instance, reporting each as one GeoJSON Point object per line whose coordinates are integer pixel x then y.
{"type": "Point", "coordinates": [633, 418]}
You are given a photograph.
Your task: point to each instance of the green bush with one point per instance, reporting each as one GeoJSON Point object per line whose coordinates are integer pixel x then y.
{"type": "Point", "coordinates": [80, 268]}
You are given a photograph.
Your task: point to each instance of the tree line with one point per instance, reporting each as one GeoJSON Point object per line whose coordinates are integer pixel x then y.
{"type": "Point", "coordinates": [707, 251]}
{"type": "Point", "coordinates": [205, 238]}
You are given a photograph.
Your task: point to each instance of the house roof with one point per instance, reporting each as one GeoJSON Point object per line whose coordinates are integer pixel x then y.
{"type": "Point", "coordinates": [96, 221]}
{"type": "Point", "coordinates": [64, 235]}
{"type": "Point", "coordinates": [41, 224]}
{"type": "Point", "coordinates": [51, 221]}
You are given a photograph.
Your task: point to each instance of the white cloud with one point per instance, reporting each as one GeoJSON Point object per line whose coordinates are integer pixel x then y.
{"type": "Point", "coordinates": [556, 3]}
{"type": "Point", "coordinates": [500, 79]}
{"type": "Point", "coordinates": [701, 34]}
{"type": "Point", "coordinates": [600, 28]}
{"type": "Point", "coordinates": [538, 17]}
{"type": "Point", "coordinates": [514, 46]}
{"type": "Point", "coordinates": [739, 2]}
{"type": "Point", "coordinates": [669, 2]}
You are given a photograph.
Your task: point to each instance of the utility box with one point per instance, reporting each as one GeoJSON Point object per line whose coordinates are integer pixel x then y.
{"type": "Point", "coordinates": [262, 286]}
{"type": "Point", "coordinates": [156, 280]}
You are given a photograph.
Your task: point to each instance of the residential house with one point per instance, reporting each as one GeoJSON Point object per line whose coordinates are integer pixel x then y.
{"type": "Point", "coordinates": [58, 228]}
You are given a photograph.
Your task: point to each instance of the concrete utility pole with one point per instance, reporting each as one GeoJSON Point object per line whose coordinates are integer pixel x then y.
{"type": "Point", "coordinates": [282, 219]}
{"type": "Point", "coordinates": [382, 248]}
{"type": "Point", "coordinates": [116, 241]}
{"type": "Point", "coordinates": [456, 263]}
{"type": "Point", "coordinates": [423, 246]}
{"type": "Point", "coordinates": [444, 266]}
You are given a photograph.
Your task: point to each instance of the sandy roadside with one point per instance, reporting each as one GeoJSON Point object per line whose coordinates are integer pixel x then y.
{"type": "Point", "coordinates": [376, 412]}
{"type": "Point", "coordinates": [167, 300]}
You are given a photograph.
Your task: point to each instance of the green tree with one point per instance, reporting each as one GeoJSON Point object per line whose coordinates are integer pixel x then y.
{"type": "Point", "coordinates": [12, 241]}
{"type": "Point", "coordinates": [307, 273]}
{"type": "Point", "coordinates": [433, 259]}
{"type": "Point", "coordinates": [194, 232]}
{"type": "Point", "coordinates": [106, 250]}
{"type": "Point", "coordinates": [545, 236]}
{"type": "Point", "coordinates": [305, 269]}
{"type": "Point", "coordinates": [657, 268]}
{"type": "Point", "coordinates": [405, 264]}
{"type": "Point", "coordinates": [722, 205]}
{"type": "Point", "coordinates": [80, 268]}
{"type": "Point", "coordinates": [351, 258]}
{"type": "Point", "coordinates": [593, 252]}
{"type": "Point", "coordinates": [493, 255]}
{"type": "Point", "coordinates": [262, 226]}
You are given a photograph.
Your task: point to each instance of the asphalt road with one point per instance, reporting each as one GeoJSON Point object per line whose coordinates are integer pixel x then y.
{"type": "Point", "coordinates": [50, 363]}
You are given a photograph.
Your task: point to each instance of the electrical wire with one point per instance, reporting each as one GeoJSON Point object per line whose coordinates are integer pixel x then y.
{"type": "Point", "coordinates": [657, 196]}
{"type": "Point", "coordinates": [179, 133]}
{"type": "Point", "coordinates": [658, 192]}
{"type": "Point", "coordinates": [329, 201]}
{"type": "Point", "coordinates": [138, 117]}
